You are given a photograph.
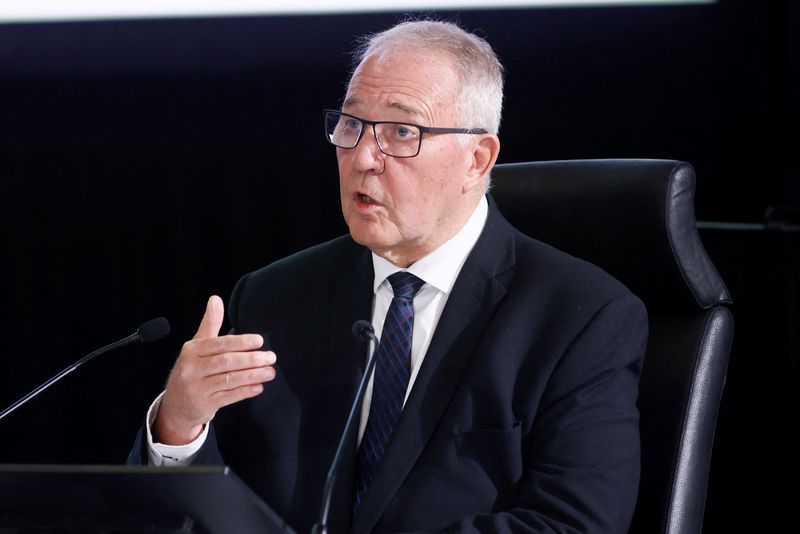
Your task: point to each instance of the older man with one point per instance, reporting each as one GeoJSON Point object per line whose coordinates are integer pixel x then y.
{"type": "Point", "coordinates": [504, 396]}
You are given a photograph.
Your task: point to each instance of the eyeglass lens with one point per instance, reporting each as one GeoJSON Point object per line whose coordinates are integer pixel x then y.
{"type": "Point", "coordinates": [394, 139]}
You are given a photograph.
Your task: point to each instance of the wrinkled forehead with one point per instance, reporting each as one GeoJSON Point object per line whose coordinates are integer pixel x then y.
{"type": "Point", "coordinates": [405, 80]}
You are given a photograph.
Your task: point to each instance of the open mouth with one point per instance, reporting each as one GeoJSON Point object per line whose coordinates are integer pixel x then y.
{"type": "Point", "coordinates": [365, 199]}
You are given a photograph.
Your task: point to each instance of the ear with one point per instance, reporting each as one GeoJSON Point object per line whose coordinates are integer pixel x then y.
{"type": "Point", "coordinates": [483, 155]}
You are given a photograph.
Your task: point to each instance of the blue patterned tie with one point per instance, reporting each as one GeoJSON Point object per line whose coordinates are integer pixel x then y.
{"type": "Point", "coordinates": [392, 372]}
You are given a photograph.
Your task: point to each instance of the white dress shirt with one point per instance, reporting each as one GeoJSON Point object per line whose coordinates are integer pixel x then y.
{"type": "Point", "coordinates": [439, 270]}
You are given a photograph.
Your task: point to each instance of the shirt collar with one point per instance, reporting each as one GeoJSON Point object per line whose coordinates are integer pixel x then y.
{"type": "Point", "coordinates": [440, 268]}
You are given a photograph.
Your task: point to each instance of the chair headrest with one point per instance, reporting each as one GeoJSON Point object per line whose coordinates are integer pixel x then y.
{"type": "Point", "coordinates": [632, 217]}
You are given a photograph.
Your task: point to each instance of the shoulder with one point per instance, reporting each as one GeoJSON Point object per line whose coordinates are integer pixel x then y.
{"type": "Point", "coordinates": [590, 309]}
{"type": "Point", "coordinates": [306, 272]}
{"type": "Point", "coordinates": [539, 266]}
{"type": "Point", "coordinates": [332, 256]}
{"type": "Point", "coordinates": [569, 289]}
{"type": "Point", "coordinates": [564, 273]}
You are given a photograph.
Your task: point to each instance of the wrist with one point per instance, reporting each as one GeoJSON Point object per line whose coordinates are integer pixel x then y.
{"type": "Point", "coordinates": [173, 435]}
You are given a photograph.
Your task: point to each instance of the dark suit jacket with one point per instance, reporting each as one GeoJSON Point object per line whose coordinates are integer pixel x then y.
{"type": "Point", "coordinates": [523, 416]}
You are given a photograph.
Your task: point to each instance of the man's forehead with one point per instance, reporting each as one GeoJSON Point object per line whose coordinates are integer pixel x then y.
{"type": "Point", "coordinates": [406, 108]}
{"type": "Point", "coordinates": [404, 84]}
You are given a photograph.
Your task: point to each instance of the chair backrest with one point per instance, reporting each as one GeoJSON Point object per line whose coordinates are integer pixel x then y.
{"type": "Point", "coordinates": [635, 219]}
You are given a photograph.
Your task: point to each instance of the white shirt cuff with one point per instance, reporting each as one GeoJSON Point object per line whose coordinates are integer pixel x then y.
{"type": "Point", "coordinates": [160, 454]}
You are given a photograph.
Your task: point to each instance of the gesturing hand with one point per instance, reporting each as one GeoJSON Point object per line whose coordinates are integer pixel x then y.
{"type": "Point", "coordinates": [211, 371]}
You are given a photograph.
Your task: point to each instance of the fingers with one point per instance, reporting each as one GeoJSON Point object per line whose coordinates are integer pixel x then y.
{"type": "Point", "coordinates": [212, 319]}
{"type": "Point", "coordinates": [236, 361]}
{"type": "Point", "coordinates": [212, 346]}
{"type": "Point", "coordinates": [225, 382]}
{"type": "Point", "coordinates": [192, 369]}
{"type": "Point", "coordinates": [232, 396]}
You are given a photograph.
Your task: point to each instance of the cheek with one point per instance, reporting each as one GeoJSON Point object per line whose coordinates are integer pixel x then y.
{"type": "Point", "coordinates": [417, 209]}
{"type": "Point", "coordinates": [443, 167]}
{"type": "Point", "coordinates": [344, 177]}
{"type": "Point", "coordinates": [343, 160]}
{"type": "Point", "coordinates": [342, 166]}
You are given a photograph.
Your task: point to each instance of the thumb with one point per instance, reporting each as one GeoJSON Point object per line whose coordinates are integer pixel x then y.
{"type": "Point", "coordinates": [212, 319]}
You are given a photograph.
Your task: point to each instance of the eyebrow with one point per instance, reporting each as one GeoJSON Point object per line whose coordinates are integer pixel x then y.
{"type": "Point", "coordinates": [355, 101]}
{"type": "Point", "coordinates": [411, 111]}
{"type": "Point", "coordinates": [350, 102]}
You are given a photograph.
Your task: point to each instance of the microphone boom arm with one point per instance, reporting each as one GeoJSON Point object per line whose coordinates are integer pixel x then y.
{"type": "Point", "coordinates": [365, 331]}
{"type": "Point", "coordinates": [154, 329]}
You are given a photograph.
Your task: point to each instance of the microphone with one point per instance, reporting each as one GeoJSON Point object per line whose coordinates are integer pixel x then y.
{"type": "Point", "coordinates": [363, 331]}
{"type": "Point", "coordinates": [152, 330]}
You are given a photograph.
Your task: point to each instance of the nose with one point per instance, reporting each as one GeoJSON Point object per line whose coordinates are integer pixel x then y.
{"type": "Point", "coordinates": [367, 157]}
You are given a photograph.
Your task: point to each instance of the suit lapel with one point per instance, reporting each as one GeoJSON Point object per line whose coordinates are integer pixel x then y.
{"type": "Point", "coordinates": [470, 306]}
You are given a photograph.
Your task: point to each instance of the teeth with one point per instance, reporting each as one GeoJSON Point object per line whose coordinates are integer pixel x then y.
{"type": "Point", "coordinates": [366, 199]}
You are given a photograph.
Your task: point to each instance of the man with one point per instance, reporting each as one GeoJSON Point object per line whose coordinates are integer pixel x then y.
{"type": "Point", "coordinates": [504, 397]}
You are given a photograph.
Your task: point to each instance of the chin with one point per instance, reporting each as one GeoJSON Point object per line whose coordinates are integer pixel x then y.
{"type": "Point", "coordinates": [366, 239]}
{"type": "Point", "coordinates": [366, 236]}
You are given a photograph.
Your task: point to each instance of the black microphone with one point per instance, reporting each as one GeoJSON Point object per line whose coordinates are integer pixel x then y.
{"type": "Point", "coordinates": [363, 331]}
{"type": "Point", "coordinates": [152, 330]}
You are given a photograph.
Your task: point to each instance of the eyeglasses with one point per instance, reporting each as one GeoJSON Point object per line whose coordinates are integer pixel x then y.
{"type": "Point", "coordinates": [396, 139]}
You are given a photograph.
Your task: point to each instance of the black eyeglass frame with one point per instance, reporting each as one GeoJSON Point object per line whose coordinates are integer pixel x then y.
{"type": "Point", "coordinates": [422, 131]}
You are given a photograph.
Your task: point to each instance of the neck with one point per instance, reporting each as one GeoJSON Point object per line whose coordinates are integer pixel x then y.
{"type": "Point", "coordinates": [408, 255]}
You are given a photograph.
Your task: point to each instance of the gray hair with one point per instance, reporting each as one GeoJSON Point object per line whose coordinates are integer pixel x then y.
{"type": "Point", "coordinates": [481, 97]}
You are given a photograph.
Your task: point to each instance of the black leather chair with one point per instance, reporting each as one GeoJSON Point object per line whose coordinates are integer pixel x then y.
{"type": "Point", "coordinates": [635, 219]}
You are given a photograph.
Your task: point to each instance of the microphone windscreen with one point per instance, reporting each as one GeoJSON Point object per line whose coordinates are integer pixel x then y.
{"type": "Point", "coordinates": [362, 330]}
{"type": "Point", "coordinates": [153, 330]}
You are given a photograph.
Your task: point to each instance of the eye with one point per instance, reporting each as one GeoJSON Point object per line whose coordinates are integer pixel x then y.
{"type": "Point", "coordinates": [404, 132]}
{"type": "Point", "coordinates": [352, 124]}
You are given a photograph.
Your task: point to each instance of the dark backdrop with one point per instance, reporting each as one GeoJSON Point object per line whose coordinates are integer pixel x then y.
{"type": "Point", "coordinates": [147, 164]}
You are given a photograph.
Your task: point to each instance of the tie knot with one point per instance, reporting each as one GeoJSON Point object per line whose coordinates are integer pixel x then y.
{"type": "Point", "coordinates": [405, 284]}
